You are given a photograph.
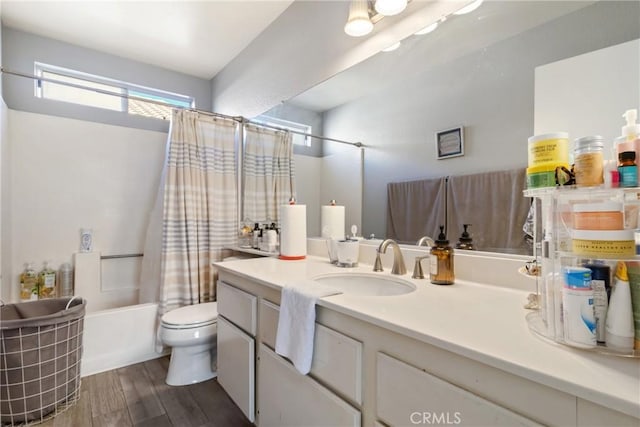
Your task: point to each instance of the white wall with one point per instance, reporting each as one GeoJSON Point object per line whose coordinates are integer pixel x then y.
{"type": "Point", "coordinates": [5, 215]}
{"type": "Point", "coordinates": [565, 93]}
{"type": "Point", "coordinates": [5, 224]}
{"type": "Point", "coordinates": [67, 174]}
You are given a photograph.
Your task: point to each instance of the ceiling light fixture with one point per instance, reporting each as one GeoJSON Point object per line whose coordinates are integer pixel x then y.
{"type": "Point", "coordinates": [359, 23]}
{"type": "Point", "coordinates": [428, 29]}
{"type": "Point", "coordinates": [390, 7]}
{"type": "Point", "coordinates": [469, 8]}
{"type": "Point", "coordinates": [392, 47]}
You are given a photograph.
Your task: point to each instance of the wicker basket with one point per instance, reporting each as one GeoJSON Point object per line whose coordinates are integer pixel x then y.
{"type": "Point", "coordinates": [40, 353]}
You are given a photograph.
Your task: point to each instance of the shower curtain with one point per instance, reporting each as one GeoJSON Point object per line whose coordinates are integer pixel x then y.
{"type": "Point", "coordinates": [197, 210]}
{"type": "Point", "coordinates": [268, 174]}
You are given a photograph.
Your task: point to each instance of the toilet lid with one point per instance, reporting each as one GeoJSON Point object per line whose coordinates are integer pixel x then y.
{"type": "Point", "coordinates": [192, 315]}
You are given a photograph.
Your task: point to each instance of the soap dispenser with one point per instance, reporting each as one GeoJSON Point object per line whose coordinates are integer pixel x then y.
{"type": "Point", "coordinates": [465, 242]}
{"type": "Point", "coordinates": [441, 257]}
{"type": "Point", "coordinates": [631, 130]}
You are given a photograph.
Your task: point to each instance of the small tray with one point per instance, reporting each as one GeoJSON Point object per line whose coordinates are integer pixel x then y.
{"type": "Point", "coordinates": [539, 329]}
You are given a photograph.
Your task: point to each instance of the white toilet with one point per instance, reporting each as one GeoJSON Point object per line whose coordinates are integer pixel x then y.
{"type": "Point", "coordinates": [190, 331]}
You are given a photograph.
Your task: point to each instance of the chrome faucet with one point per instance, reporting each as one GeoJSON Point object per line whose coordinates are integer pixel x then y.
{"type": "Point", "coordinates": [418, 272]}
{"type": "Point", "coordinates": [398, 260]}
{"type": "Point", "coordinates": [426, 239]}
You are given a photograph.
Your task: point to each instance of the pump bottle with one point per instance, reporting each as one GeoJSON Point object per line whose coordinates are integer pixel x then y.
{"type": "Point", "coordinates": [465, 242]}
{"type": "Point", "coordinates": [630, 134]}
{"type": "Point", "coordinates": [441, 256]}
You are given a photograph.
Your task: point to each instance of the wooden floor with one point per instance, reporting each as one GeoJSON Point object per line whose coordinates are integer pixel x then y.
{"type": "Point", "coordinates": [138, 396]}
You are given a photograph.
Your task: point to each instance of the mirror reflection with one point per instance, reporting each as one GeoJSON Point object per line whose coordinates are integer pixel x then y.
{"type": "Point", "coordinates": [477, 72]}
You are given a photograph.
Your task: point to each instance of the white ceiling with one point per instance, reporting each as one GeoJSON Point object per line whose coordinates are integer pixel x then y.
{"type": "Point", "coordinates": [193, 37]}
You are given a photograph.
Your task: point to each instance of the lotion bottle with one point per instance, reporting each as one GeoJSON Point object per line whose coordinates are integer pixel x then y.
{"type": "Point", "coordinates": [619, 325]}
{"type": "Point", "coordinates": [441, 256]}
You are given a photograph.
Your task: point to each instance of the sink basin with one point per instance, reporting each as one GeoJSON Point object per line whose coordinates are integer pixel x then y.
{"type": "Point", "coordinates": [366, 284]}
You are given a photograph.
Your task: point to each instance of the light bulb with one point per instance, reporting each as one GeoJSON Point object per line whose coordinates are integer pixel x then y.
{"type": "Point", "coordinates": [390, 7]}
{"type": "Point", "coordinates": [358, 24]}
{"type": "Point", "coordinates": [358, 27]}
{"type": "Point", "coordinates": [469, 8]}
{"type": "Point", "coordinates": [427, 29]}
{"type": "Point", "coordinates": [392, 47]}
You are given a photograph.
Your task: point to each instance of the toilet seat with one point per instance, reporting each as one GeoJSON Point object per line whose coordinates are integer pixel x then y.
{"type": "Point", "coordinates": [191, 316]}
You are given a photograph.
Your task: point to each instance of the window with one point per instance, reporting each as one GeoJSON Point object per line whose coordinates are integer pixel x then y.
{"type": "Point", "coordinates": [100, 92]}
{"type": "Point", "coordinates": [286, 124]}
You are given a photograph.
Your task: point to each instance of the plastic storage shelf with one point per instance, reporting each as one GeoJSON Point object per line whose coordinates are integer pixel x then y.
{"type": "Point", "coordinates": [556, 249]}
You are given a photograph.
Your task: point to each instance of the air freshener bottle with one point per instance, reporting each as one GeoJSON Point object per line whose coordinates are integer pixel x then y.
{"type": "Point", "coordinates": [65, 280]}
{"type": "Point", "coordinates": [441, 257]}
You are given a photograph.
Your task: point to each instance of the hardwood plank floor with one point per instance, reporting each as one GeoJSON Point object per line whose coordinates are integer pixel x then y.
{"type": "Point", "coordinates": [137, 395]}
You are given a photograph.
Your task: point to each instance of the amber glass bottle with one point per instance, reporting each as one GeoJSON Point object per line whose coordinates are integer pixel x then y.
{"type": "Point", "coordinates": [441, 267]}
{"type": "Point", "coordinates": [466, 242]}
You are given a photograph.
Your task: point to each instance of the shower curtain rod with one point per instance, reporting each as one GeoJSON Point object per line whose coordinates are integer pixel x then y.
{"type": "Point", "coordinates": [239, 119]}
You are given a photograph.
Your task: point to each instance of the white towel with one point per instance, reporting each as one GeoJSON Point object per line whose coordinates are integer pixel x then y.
{"type": "Point", "coordinates": [296, 324]}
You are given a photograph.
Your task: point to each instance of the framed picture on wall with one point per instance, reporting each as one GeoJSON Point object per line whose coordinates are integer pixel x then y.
{"type": "Point", "coordinates": [450, 143]}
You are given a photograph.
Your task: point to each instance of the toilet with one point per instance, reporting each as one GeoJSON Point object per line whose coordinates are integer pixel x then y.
{"type": "Point", "coordinates": [190, 331]}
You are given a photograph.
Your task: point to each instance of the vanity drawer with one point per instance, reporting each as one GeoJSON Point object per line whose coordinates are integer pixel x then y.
{"type": "Point", "coordinates": [406, 395]}
{"type": "Point", "coordinates": [290, 399]}
{"type": "Point", "coordinates": [337, 358]}
{"type": "Point", "coordinates": [237, 306]}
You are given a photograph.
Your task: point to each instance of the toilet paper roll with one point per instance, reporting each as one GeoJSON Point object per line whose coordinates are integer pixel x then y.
{"type": "Point", "coordinates": [332, 222]}
{"type": "Point", "coordinates": [293, 232]}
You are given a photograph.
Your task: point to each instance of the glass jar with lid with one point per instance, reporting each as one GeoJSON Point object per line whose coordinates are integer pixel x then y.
{"type": "Point", "coordinates": [588, 161]}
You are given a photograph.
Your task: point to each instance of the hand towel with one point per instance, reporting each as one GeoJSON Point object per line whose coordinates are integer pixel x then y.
{"type": "Point", "coordinates": [297, 320]}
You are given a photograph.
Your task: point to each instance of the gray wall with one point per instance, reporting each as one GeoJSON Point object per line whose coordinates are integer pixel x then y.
{"type": "Point", "coordinates": [304, 46]}
{"type": "Point", "coordinates": [21, 49]}
{"type": "Point", "coordinates": [489, 92]}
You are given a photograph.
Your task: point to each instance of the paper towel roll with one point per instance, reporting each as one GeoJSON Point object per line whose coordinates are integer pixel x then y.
{"type": "Point", "coordinates": [293, 232]}
{"type": "Point", "coordinates": [332, 222]}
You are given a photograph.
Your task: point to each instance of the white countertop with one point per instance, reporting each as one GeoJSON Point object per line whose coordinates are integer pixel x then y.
{"type": "Point", "coordinates": [482, 322]}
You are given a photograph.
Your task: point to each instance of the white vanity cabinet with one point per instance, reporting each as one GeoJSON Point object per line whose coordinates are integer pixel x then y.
{"type": "Point", "coordinates": [364, 374]}
{"type": "Point", "coordinates": [320, 398]}
{"type": "Point", "coordinates": [406, 395]}
{"type": "Point", "coordinates": [288, 398]}
{"type": "Point", "coordinates": [236, 346]}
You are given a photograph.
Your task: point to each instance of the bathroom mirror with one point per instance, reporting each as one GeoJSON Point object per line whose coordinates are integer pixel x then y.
{"type": "Point", "coordinates": [477, 71]}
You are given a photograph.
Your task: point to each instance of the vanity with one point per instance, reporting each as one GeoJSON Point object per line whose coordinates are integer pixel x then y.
{"type": "Point", "coordinates": [460, 354]}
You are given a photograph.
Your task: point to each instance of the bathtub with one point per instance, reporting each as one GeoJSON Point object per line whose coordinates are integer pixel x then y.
{"type": "Point", "coordinates": [117, 331]}
{"type": "Point", "coordinates": [119, 337]}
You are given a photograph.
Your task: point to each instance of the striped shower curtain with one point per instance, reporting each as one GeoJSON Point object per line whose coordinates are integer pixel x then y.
{"type": "Point", "coordinates": [269, 173]}
{"type": "Point", "coordinates": [200, 206]}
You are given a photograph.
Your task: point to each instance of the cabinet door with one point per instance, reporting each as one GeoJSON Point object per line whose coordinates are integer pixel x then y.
{"type": "Point", "coordinates": [337, 358]}
{"type": "Point", "coordinates": [592, 415]}
{"type": "Point", "coordinates": [236, 366]}
{"type": "Point", "coordinates": [406, 395]}
{"type": "Point", "coordinates": [290, 399]}
{"type": "Point", "coordinates": [238, 306]}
